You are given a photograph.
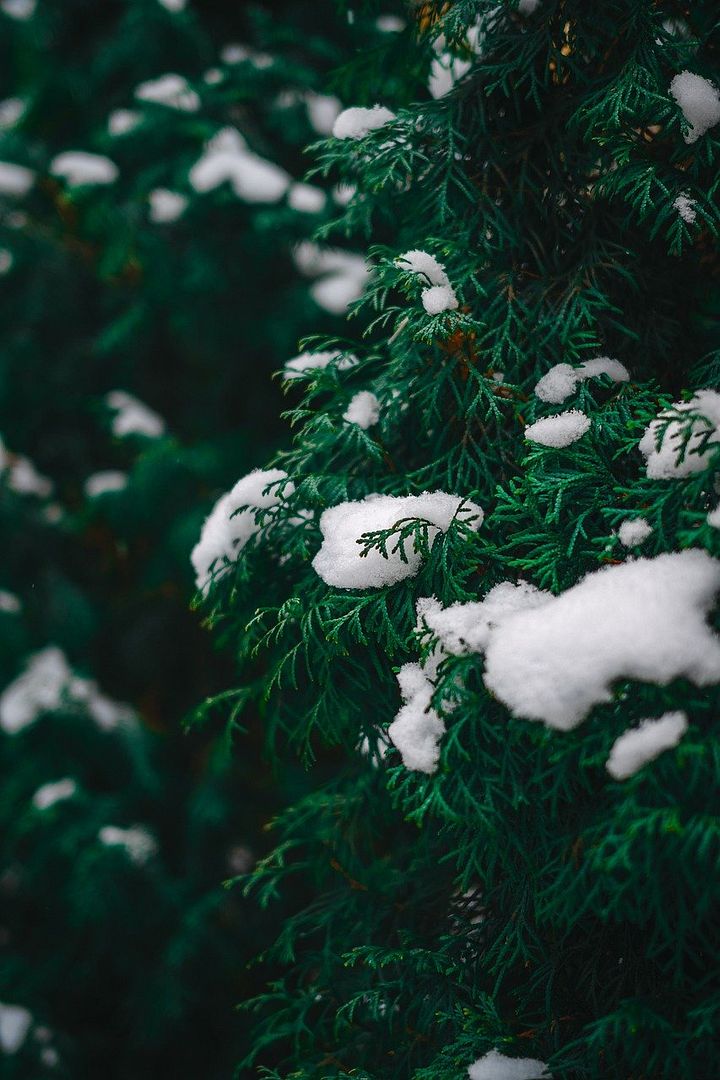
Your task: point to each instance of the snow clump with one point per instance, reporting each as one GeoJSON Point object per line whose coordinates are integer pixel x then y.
{"type": "Point", "coordinates": [356, 123]}
{"type": "Point", "coordinates": [55, 791]}
{"type": "Point", "coordinates": [21, 475]}
{"type": "Point", "coordinates": [15, 180]}
{"type": "Point", "coordinates": [139, 843]}
{"type": "Point", "coordinates": [79, 168]}
{"type": "Point", "coordinates": [693, 437]}
{"type": "Point", "coordinates": [699, 103]}
{"type": "Point", "coordinates": [226, 532]}
{"type": "Point", "coordinates": [363, 410]}
{"type": "Point", "coordinates": [559, 430]}
{"type": "Point", "coordinates": [171, 90]}
{"type": "Point", "coordinates": [685, 207]}
{"type": "Point", "coordinates": [166, 206]}
{"type": "Point", "coordinates": [562, 380]}
{"type": "Point", "coordinates": [22, 10]}
{"type": "Point", "coordinates": [133, 417]}
{"type": "Point", "coordinates": [634, 531]}
{"type": "Point", "coordinates": [339, 561]}
{"type": "Point", "coordinates": [100, 483]}
{"type": "Point", "coordinates": [306, 198]}
{"type": "Point", "coordinates": [228, 159]}
{"type": "Point", "coordinates": [439, 295]}
{"type": "Point", "coordinates": [312, 361]}
{"type": "Point", "coordinates": [637, 746]}
{"type": "Point", "coordinates": [123, 121]}
{"type": "Point", "coordinates": [342, 275]}
{"type": "Point", "coordinates": [495, 1066]}
{"type": "Point", "coordinates": [9, 603]}
{"type": "Point", "coordinates": [417, 729]}
{"type": "Point", "coordinates": [15, 1023]}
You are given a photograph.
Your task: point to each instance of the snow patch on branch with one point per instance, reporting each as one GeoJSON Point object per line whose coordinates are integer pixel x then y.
{"type": "Point", "coordinates": [15, 1021]}
{"type": "Point", "coordinates": [495, 1066]}
{"type": "Point", "coordinates": [356, 123]}
{"type": "Point", "coordinates": [15, 180]}
{"type": "Point", "coordinates": [79, 168]}
{"type": "Point", "coordinates": [439, 295]}
{"type": "Point", "coordinates": [166, 206]}
{"type": "Point", "coordinates": [313, 361]}
{"type": "Point", "coordinates": [227, 159]}
{"type": "Point", "coordinates": [363, 410]}
{"type": "Point", "coordinates": [339, 561]}
{"type": "Point", "coordinates": [637, 746]}
{"type": "Point", "coordinates": [138, 842]}
{"type": "Point", "coordinates": [417, 729]}
{"type": "Point", "coordinates": [699, 102]}
{"type": "Point", "coordinates": [634, 531]}
{"type": "Point", "coordinates": [133, 417]}
{"type": "Point", "coordinates": [691, 434]}
{"type": "Point", "coordinates": [170, 90]}
{"type": "Point", "coordinates": [54, 792]}
{"type": "Point", "coordinates": [559, 430]}
{"type": "Point", "coordinates": [686, 208]}
{"type": "Point", "coordinates": [562, 380]}
{"type": "Point", "coordinates": [342, 275]}
{"type": "Point", "coordinates": [225, 532]}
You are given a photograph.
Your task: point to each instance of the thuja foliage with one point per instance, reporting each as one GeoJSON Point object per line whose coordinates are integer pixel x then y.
{"type": "Point", "coordinates": [515, 895]}
{"type": "Point", "coordinates": [120, 953]}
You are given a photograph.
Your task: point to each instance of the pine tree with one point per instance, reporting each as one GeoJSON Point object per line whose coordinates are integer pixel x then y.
{"type": "Point", "coordinates": [140, 299]}
{"type": "Point", "coordinates": [484, 570]}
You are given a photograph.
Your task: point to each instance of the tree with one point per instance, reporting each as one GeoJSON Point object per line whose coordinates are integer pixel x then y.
{"type": "Point", "coordinates": [154, 221]}
{"type": "Point", "coordinates": [486, 566]}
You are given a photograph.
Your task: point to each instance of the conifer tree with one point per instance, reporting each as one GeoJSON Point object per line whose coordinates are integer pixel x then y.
{"type": "Point", "coordinates": [153, 222]}
{"type": "Point", "coordinates": [486, 570]}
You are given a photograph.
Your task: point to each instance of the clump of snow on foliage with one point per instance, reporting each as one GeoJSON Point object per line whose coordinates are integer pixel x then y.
{"type": "Point", "coordinates": [312, 361]}
{"type": "Point", "coordinates": [417, 729]}
{"type": "Point", "coordinates": [100, 483]}
{"type": "Point", "coordinates": [439, 295]}
{"type": "Point", "coordinates": [342, 275]}
{"type": "Point", "coordinates": [363, 410]}
{"type": "Point", "coordinates": [15, 1021]}
{"type": "Point", "coordinates": [228, 159]}
{"type": "Point", "coordinates": [495, 1066]}
{"type": "Point", "coordinates": [171, 90]}
{"type": "Point", "coordinates": [307, 198]}
{"type": "Point", "coordinates": [390, 24]}
{"type": "Point", "coordinates": [9, 603]}
{"type": "Point", "coordinates": [323, 110]}
{"type": "Point", "coordinates": [447, 68]}
{"type": "Point", "coordinates": [685, 207]}
{"type": "Point", "coordinates": [47, 682]}
{"type": "Point", "coordinates": [166, 206]}
{"type": "Point", "coordinates": [562, 380]}
{"type": "Point", "coordinates": [528, 7]}
{"type": "Point", "coordinates": [15, 180]}
{"type": "Point", "coordinates": [466, 628]}
{"type": "Point", "coordinates": [123, 121]}
{"type": "Point", "coordinates": [634, 531]}
{"type": "Point", "coordinates": [643, 619]}
{"type": "Point", "coordinates": [54, 792]}
{"type": "Point", "coordinates": [21, 475]}
{"type": "Point", "coordinates": [138, 842]}
{"type": "Point", "coordinates": [133, 417]}
{"type": "Point", "coordinates": [22, 10]}
{"type": "Point", "coordinates": [559, 430]}
{"type": "Point", "coordinates": [236, 53]}
{"type": "Point", "coordinates": [356, 123]}
{"type": "Point", "coordinates": [225, 532]}
{"type": "Point", "coordinates": [339, 561]}
{"type": "Point", "coordinates": [173, 5]}
{"type": "Point", "coordinates": [637, 746]}
{"type": "Point", "coordinates": [713, 517]}
{"type": "Point", "coordinates": [78, 168]}
{"type": "Point", "coordinates": [11, 109]}
{"type": "Point", "coordinates": [699, 103]}
{"type": "Point", "coordinates": [691, 434]}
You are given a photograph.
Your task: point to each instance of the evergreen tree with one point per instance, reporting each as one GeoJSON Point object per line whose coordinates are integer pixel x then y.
{"type": "Point", "coordinates": [153, 224]}
{"type": "Point", "coordinates": [485, 569]}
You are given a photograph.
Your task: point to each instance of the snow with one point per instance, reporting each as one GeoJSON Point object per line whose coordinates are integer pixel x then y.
{"type": "Point", "coordinates": [634, 531]}
{"type": "Point", "coordinates": [235, 53]}
{"type": "Point", "coordinates": [343, 193]}
{"type": "Point", "coordinates": [528, 7]}
{"type": "Point", "coordinates": [339, 562]}
{"type": "Point", "coordinates": [439, 295]}
{"type": "Point", "coordinates": [663, 463]}
{"type": "Point", "coordinates": [363, 410]}
{"type": "Point", "coordinates": [173, 5]}
{"type": "Point", "coordinates": [225, 532]}
{"type": "Point", "coordinates": [562, 380]}
{"type": "Point", "coordinates": [227, 159]}
{"type": "Point", "coordinates": [699, 103]}
{"type": "Point", "coordinates": [356, 123]}
{"type": "Point", "coordinates": [343, 275]}
{"type": "Point", "coordinates": [6, 260]}
{"type": "Point", "coordinates": [19, 9]}
{"type": "Point", "coordinates": [323, 110]}
{"type": "Point", "coordinates": [644, 620]}
{"type": "Point", "coordinates": [417, 729]}
{"type": "Point", "coordinates": [166, 206]}
{"type": "Point", "coordinates": [559, 430]}
{"type": "Point", "coordinates": [171, 90]}
{"type": "Point", "coordinates": [713, 517]}
{"type": "Point", "coordinates": [390, 24]}
{"type": "Point", "coordinates": [637, 746]}
{"type": "Point", "coordinates": [15, 1023]}
{"type": "Point", "coordinates": [445, 71]}
{"type": "Point", "coordinates": [139, 843]}
{"type": "Point", "coordinates": [307, 198]}
{"type": "Point", "coordinates": [15, 180]}
{"type": "Point", "coordinates": [22, 476]}
{"type": "Point", "coordinates": [100, 483]}
{"type": "Point", "coordinates": [213, 76]}
{"type": "Point", "coordinates": [133, 417]}
{"type": "Point", "coordinates": [77, 168]}
{"type": "Point", "coordinates": [466, 628]}
{"type": "Point", "coordinates": [310, 361]}
{"type": "Point", "coordinates": [495, 1066]}
{"type": "Point", "coordinates": [9, 603]}
{"type": "Point", "coordinates": [44, 685]}
{"type": "Point", "coordinates": [11, 109]}
{"type": "Point", "coordinates": [55, 791]}
{"type": "Point", "coordinates": [123, 121]}
{"type": "Point", "coordinates": [685, 207]}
